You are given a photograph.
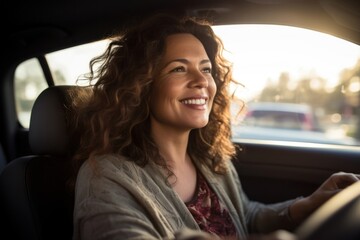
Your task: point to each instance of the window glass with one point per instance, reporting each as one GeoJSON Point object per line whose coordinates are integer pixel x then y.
{"type": "Point", "coordinates": [70, 64]}
{"type": "Point", "coordinates": [29, 83]}
{"type": "Point", "coordinates": [297, 84]}
{"type": "Point", "coordinates": [66, 66]}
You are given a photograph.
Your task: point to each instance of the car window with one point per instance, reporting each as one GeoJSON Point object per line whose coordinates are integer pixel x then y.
{"type": "Point", "coordinates": [70, 64]}
{"type": "Point", "coordinates": [29, 82]}
{"type": "Point", "coordinates": [66, 67]}
{"type": "Point", "coordinates": [295, 84]}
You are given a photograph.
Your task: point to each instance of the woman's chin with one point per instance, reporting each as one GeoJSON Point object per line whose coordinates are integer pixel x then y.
{"type": "Point", "coordinates": [199, 125]}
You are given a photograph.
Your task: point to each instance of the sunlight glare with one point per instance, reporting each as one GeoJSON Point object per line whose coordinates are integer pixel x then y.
{"type": "Point", "coordinates": [259, 53]}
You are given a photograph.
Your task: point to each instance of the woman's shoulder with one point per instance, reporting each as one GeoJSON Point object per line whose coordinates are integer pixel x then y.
{"type": "Point", "coordinates": [117, 172]}
{"type": "Point", "coordinates": [111, 166]}
{"type": "Point", "coordinates": [109, 161]}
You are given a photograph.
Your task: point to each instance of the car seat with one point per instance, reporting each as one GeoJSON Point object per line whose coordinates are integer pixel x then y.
{"type": "Point", "coordinates": [35, 200]}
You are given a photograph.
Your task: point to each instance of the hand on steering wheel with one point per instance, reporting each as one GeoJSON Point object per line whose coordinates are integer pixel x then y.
{"type": "Point", "coordinates": [304, 207]}
{"type": "Point", "coordinates": [337, 218]}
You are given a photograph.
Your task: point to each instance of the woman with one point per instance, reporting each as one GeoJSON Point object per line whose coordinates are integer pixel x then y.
{"type": "Point", "coordinates": [154, 159]}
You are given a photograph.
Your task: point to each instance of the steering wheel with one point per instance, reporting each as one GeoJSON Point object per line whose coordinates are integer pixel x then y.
{"type": "Point", "coordinates": [338, 218]}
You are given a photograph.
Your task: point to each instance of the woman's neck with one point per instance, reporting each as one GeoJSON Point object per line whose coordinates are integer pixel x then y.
{"type": "Point", "coordinates": [173, 148]}
{"type": "Point", "coordinates": [172, 144]}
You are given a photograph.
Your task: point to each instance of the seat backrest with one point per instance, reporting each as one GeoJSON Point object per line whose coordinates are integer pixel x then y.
{"type": "Point", "coordinates": [35, 199]}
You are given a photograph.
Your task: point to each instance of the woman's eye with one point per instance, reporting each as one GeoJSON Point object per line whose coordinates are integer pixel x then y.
{"type": "Point", "coordinates": [178, 69]}
{"type": "Point", "coordinates": [207, 70]}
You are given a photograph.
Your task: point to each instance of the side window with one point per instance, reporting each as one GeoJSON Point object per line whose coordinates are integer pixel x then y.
{"type": "Point", "coordinates": [66, 67]}
{"type": "Point", "coordinates": [29, 83]}
{"type": "Point", "coordinates": [296, 84]}
{"type": "Point", "coordinates": [69, 64]}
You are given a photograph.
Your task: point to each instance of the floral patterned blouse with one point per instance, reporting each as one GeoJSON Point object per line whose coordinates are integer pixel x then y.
{"type": "Point", "coordinates": [210, 214]}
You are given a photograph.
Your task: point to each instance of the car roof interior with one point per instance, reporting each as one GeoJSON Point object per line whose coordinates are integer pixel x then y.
{"type": "Point", "coordinates": [33, 29]}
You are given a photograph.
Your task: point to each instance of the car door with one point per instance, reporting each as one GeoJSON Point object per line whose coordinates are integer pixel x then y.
{"type": "Point", "coordinates": [277, 171]}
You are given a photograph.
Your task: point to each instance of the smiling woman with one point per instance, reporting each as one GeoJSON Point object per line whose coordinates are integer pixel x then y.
{"type": "Point", "coordinates": [155, 143]}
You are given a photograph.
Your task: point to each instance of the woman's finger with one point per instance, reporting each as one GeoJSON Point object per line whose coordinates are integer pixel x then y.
{"type": "Point", "coordinates": [343, 180]}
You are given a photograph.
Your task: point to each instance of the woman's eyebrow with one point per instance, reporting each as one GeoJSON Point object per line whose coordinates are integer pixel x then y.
{"type": "Point", "coordinates": [205, 61]}
{"type": "Point", "coordinates": [186, 61]}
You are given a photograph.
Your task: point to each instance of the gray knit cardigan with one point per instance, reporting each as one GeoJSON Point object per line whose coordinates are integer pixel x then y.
{"type": "Point", "coordinates": [125, 201]}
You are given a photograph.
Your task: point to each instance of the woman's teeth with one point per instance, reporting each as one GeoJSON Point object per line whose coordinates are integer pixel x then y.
{"type": "Point", "coordinates": [194, 101]}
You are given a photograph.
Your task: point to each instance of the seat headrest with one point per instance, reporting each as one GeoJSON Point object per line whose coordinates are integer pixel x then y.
{"type": "Point", "coordinates": [49, 133]}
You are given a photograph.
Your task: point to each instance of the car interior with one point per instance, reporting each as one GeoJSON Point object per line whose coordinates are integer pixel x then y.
{"type": "Point", "coordinates": [35, 161]}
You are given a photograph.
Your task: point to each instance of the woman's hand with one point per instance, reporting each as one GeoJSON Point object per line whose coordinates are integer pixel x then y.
{"type": "Point", "coordinates": [302, 208]}
{"type": "Point", "coordinates": [334, 184]}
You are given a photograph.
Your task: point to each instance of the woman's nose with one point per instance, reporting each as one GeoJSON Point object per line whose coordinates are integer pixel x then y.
{"type": "Point", "coordinates": [198, 80]}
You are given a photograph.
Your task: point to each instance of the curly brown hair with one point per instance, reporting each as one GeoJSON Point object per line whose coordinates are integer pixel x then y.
{"type": "Point", "coordinates": [114, 115]}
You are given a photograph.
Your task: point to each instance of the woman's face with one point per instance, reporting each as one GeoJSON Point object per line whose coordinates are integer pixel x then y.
{"type": "Point", "coordinates": [184, 90]}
